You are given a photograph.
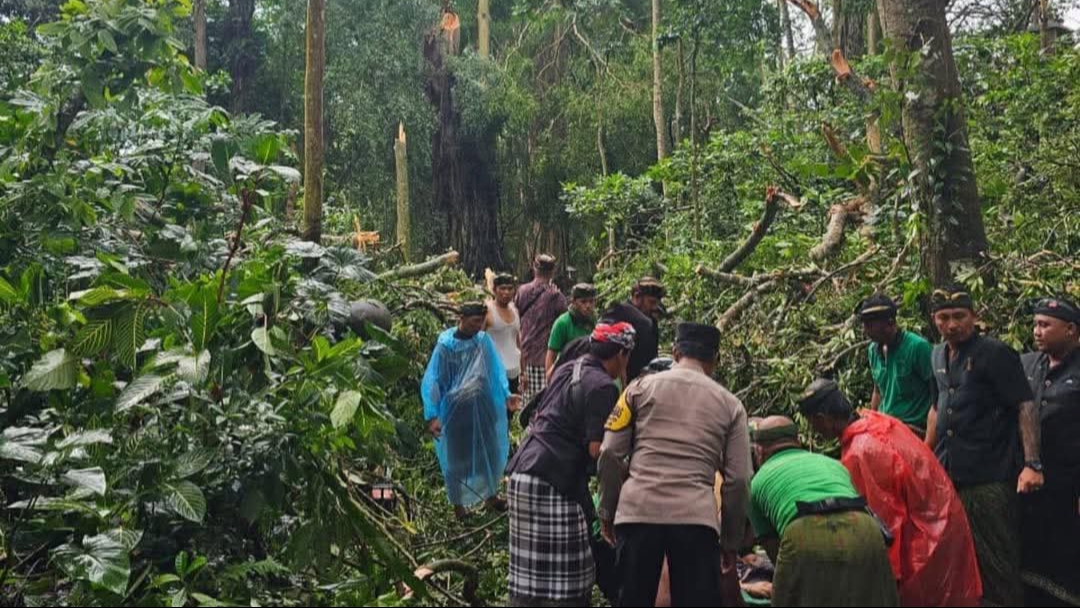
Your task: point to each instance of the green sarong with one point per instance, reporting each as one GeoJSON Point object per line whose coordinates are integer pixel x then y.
{"type": "Point", "coordinates": [993, 512]}
{"type": "Point", "coordinates": [838, 559]}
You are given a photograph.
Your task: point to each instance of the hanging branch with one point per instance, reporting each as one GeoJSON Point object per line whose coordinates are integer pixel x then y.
{"type": "Point", "coordinates": [449, 258]}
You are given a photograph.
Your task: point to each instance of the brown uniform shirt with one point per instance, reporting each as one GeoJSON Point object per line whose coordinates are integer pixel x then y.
{"type": "Point", "coordinates": [678, 429]}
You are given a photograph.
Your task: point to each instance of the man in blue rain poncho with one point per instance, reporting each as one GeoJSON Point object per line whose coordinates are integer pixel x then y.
{"type": "Point", "coordinates": [466, 396]}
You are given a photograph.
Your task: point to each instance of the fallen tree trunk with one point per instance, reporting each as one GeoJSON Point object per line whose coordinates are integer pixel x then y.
{"type": "Point", "coordinates": [449, 258]}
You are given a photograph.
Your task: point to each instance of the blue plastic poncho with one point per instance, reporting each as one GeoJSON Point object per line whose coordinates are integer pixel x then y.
{"type": "Point", "coordinates": [466, 388]}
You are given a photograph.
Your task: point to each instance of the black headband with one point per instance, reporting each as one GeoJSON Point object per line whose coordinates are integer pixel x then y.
{"type": "Point", "coordinates": [1059, 308]}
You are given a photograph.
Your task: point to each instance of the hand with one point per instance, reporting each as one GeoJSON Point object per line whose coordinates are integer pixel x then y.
{"type": "Point", "coordinates": [514, 403]}
{"type": "Point", "coordinates": [607, 530]}
{"type": "Point", "coordinates": [435, 427]}
{"type": "Point", "coordinates": [1030, 481]}
{"type": "Point", "coordinates": [761, 590]}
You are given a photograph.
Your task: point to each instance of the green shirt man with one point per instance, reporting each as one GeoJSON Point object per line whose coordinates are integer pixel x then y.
{"type": "Point", "coordinates": [572, 324]}
{"type": "Point", "coordinates": [789, 477]}
{"type": "Point", "coordinates": [900, 364]}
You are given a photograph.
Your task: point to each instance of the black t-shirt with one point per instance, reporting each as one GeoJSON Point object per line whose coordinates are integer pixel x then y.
{"type": "Point", "coordinates": [647, 341]}
{"type": "Point", "coordinates": [1057, 394]}
{"type": "Point", "coordinates": [979, 394]}
{"type": "Point", "coordinates": [557, 446]}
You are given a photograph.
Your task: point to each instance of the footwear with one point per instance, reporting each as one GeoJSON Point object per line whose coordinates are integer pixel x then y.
{"type": "Point", "coordinates": [496, 504]}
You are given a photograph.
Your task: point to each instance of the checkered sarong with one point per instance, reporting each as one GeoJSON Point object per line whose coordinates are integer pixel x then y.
{"type": "Point", "coordinates": [537, 381]}
{"type": "Point", "coordinates": [550, 558]}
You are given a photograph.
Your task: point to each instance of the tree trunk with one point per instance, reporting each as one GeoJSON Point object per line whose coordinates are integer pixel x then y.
{"type": "Point", "coordinates": [658, 86]}
{"type": "Point", "coordinates": [483, 18]}
{"type": "Point", "coordinates": [935, 130]}
{"type": "Point", "coordinates": [849, 28]}
{"type": "Point", "coordinates": [313, 119]}
{"type": "Point", "coordinates": [1046, 33]}
{"type": "Point", "coordinates": [789, 34]}
{"type": "Point", "coordinates": [463, 164]}
{"type": "Point", "coordinates": [241, 51]}
{"type": "Point", "coordinates": [401, 163]}
{"type": "Point", "coordinates": [873, 30]}
{"type": "Point", "coordinates": [199, 17]}
{"type": "Point", "coordinates": [676, 123]}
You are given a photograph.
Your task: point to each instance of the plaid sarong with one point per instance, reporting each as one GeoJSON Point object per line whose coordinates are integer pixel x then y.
{"type": "Point", "coordinates": [550, 558]}
{"type": "Point", "coordinates": [537, 382]}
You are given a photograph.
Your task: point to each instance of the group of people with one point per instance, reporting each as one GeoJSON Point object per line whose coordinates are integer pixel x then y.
{"type": "Point", "coordinates": [962, 475]}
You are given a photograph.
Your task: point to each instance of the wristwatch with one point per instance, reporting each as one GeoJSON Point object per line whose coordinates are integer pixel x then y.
{"type": "Point", "coordinates": [1034, 465]}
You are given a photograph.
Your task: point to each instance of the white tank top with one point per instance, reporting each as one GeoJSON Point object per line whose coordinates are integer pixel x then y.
{"type": "Point", "coordinates": [505, 336]}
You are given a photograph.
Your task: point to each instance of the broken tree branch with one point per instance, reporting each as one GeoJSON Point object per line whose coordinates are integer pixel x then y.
{"type": "Point", "coordinates": [823, 38]}
{"type": "Point", "coordinates": [449, 258]}
{"type": "Point", "coordinates": [744, 303]}
{"type": "Point", "coordinates": [840, 216]}
{"type": "Point", "coordinates": [760, 229]}
{"type": "Point", "coordinates": [859, 261]}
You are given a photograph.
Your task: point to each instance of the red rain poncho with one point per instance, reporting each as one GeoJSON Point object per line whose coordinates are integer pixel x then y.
{"type": "Point", "coordinates": [933, 556]}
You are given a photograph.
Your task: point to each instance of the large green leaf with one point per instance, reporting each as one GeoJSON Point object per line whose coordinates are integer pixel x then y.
{"type": "Point", "coordinates": [101, 560]}
{"type": "Point", "coordinates": [204, 320]}
{"type": "Point", "coordinates": [138, 391]}
{"type": "Point", "coordinates": [194, 368]}
{"type": "Point", "coordinates": [100, 295]}
{"type": "Point", "coordinates": [85, 438]}
{"type": "Point", "coordinates": [23, 443]}
{"type": "Point", "coordinates": [186, 500]}
{"type": "Point", "coordinates": [261, 337]}
{"type": "Point", "coordinates": [93, 338]}
{"type": "Point", "coordinates": [345, 408]}
{"type": "Point", "coordinates": [130, 333]}
{"type": "Point", "coordinates": [125, 536]}
{"type": "Point", "coordinates": [91, 479]}
{"type": "Point", "coordinates": [8, 293]}
{"type": "Point", "coordinates": [56, 371]}
{"type": "Point", "coordinates": [193, 462]}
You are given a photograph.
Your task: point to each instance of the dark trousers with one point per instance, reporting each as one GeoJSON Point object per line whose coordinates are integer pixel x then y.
{"type": "Point", "coordinates": [693, 554]}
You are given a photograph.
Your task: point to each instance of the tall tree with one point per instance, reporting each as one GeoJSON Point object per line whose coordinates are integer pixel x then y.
{"type": "Point", "coordinates": [313, 119]}
{"type": "Point", "coordinates": [463, 161]}
{"type": "Point", "coordinates": [483, 20]}
{"type": "Point", "coordinates": [401, 166]}
{"type": "Point", "coordinates": [199, 17]}
{"type": "Point", "coordinates": [849, 26]}
{"type": "Point", "coordinates": [873, 30]}
{"type": "Point", "coordinates": [935, 130]}
{"type": "Point", "coordinates": [658, 86]}
{"type": "Point", "coordinates": [785, 25]}
{"type": "Point", "coordinates": [241, 51]}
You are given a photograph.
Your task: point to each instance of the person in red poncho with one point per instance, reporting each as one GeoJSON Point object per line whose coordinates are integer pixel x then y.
{"type": "Point", "coordinates": [932, 555]}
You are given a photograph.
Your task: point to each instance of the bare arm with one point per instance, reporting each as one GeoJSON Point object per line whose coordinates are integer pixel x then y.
{"type": "Point", "coordinates": [875, 401]}
{"type": "Point", "coordinates": [1030, 430]}
{"type": "Point", "coordinates": [549, 363]}
{"type": "Point", "coordinates": [931, 427]}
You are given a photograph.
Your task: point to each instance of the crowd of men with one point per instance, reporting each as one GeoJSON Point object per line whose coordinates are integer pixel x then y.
{"type": "Point", "coordinates": [958, 486]}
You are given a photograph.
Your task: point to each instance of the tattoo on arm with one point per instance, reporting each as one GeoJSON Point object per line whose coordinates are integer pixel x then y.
{"type": "Point", "coordinates": [1030, 429]}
